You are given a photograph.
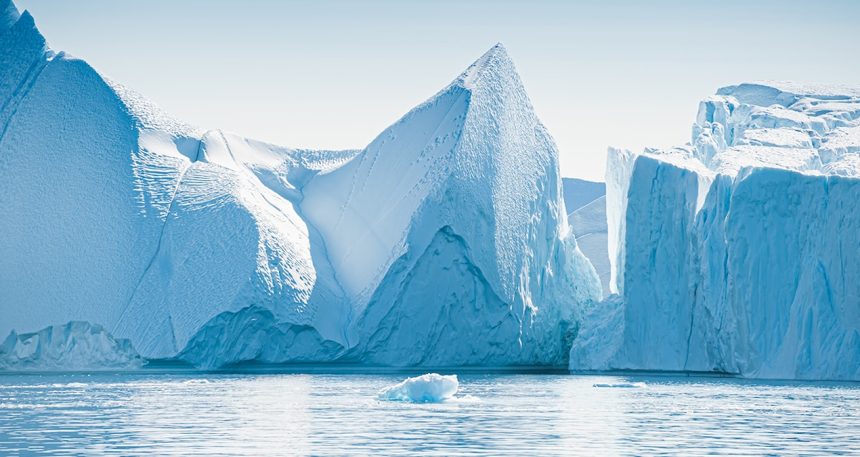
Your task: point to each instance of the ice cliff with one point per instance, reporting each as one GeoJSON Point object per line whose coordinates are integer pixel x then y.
{"type": "Point", "coordinates": [739, 252]}
{"type": "Point", "coordinates": [443, 243]}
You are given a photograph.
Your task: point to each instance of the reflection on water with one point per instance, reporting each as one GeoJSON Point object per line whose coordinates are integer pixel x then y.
{"type": "Point", "coordinates": [204, 414]}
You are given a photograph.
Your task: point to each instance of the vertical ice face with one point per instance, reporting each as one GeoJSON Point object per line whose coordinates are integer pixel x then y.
{"type": "Point", "coordinates": [739, 252]}
{"type": "Point", "coordinates": [448, 232]}
{"type": "Point", "coordinates": [444, 242]}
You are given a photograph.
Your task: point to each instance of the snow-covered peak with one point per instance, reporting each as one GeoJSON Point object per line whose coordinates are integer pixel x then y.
{"type": "Point", "coordinates": [479, 133]}
{"type": "Point", "coordinates": [25, 55]}
{"type": "Point", "coordinates": [466, 183]}
{"type": "Point", "coordinates": [490, 65]}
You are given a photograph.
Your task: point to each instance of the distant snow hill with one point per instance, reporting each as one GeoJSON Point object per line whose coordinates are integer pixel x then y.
{"type": "Point", "coordinates": [586, 213]}
{"type": "Point", "coordinates": [442, 243]}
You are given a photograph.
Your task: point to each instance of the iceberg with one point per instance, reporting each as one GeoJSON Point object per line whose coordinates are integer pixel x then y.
{"type": "Point", "coordinates": [453, 217]}
{"type": "Point", "coordinates": [442, 243]}
{"type": "Point", "coordinates": [738, 252]}
{"type": "Point", "coordinates": [427, 388]}
{"type": "Point", "coordinates": [73, 346]}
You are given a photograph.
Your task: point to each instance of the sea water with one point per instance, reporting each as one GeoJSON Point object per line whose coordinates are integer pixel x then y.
{"type": "Point", "coordinates": [341, 414]}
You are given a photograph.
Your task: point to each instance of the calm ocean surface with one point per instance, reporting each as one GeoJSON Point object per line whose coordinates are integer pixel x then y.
{"type": "Point", "coordinates": [299, 414]}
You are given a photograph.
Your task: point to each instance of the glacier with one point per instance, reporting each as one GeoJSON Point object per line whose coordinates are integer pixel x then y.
{"type": "Point", "coordinates": [738, 253]}
{"type": "Point", "coordinates": [444, 242]}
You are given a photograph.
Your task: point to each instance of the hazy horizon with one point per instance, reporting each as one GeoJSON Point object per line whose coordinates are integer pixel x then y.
{"type": "Point", "coordinates": [334, 74]}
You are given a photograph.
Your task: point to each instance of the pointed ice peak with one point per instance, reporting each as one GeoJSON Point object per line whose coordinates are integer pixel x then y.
{"type": "Point", "coordinates": [8, 15]}
{"type": "Point", "coordinates": [497, 49]}
{"type": "Point", "coordinates": [492, 64]}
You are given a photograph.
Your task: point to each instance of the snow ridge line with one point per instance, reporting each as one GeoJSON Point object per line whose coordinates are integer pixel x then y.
{"type": "Point", "coordinates": [394, 256]}
{"type": "Point", "coordinates": [261, 187]}
{"type": "Point", "coordinates": [433, 136]}
{"type": "Point", "coordinates": [364, 154]}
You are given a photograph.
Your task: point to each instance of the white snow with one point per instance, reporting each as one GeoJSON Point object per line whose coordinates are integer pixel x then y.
{"type": "Point", "coordinates": [777, 125]}
{"type": "Point", "coordinates": [737, 253]}
{"type": "Point", "coordinates": [427, 388]}
{"type": "Point", "coordinates": [446, 233]}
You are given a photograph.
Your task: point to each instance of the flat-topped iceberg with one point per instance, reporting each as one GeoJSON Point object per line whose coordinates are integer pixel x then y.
{"type": "Point", "coordinates": [739, 252]}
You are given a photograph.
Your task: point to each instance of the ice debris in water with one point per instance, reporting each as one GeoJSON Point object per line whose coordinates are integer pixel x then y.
{"type": "Point", "coordinates": [620, 385]}
{"type": "Point", "coordinates": [427, 388]}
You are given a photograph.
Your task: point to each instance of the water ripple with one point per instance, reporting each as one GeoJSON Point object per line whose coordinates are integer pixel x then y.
{"type": "Point", "coordinates": [289, 414]}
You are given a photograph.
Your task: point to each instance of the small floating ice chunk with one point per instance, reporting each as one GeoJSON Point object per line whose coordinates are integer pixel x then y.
{"type": "Point", "coordinates": [621, 385]}
{"type": "Point", "coordinates": [427, 388]}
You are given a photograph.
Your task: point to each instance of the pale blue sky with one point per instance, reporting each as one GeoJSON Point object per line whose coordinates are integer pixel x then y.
{"type": "Point", "coordinates": [334, 74]}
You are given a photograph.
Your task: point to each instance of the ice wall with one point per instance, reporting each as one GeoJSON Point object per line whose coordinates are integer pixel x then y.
{"type": "Point", "coordinates": [739, 252]}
